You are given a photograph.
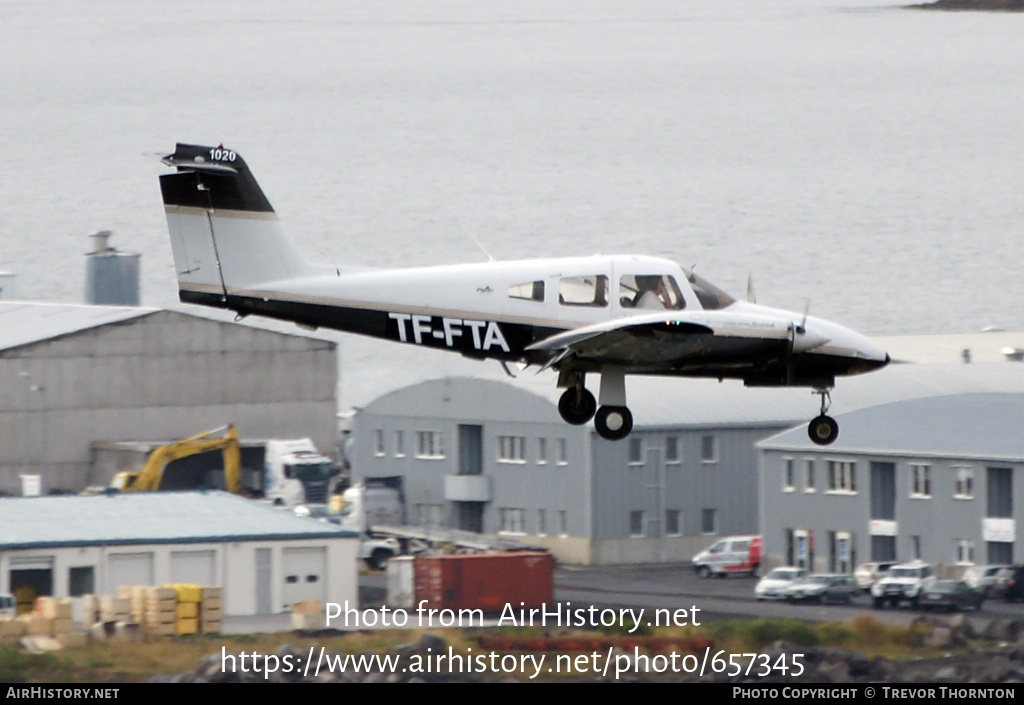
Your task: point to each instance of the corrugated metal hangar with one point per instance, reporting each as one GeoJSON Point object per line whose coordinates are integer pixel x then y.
{"type": "Point", "coordinates": [265, 558]}
{"type": "Point", "coordinates": [71, 375]}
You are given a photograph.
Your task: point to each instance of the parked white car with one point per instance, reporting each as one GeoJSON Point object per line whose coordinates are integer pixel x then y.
{"type": "Point", "coordinates": [867, 573]}
{"type": "Point", "coordinates": [773, 586]}
{"type": "Point", "coordinates": [982, 577]}
{"type": "Point", "coordinates": [903, 582]}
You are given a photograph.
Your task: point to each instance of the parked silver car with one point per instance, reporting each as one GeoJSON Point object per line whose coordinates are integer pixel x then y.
{"type": "Point", "coordinates": [771, 586]}
{"type": "Point", "coordinates": [822, 588]}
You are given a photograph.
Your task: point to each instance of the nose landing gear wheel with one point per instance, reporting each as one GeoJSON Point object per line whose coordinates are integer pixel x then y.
{"type": "Point", "coordinates": [823, 430]}
{"type": "Point", "coordinates": [613, 422]}
{"type": "Point", "coordinates": [577, 406]}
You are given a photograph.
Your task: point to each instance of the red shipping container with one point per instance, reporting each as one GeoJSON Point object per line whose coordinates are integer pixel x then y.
{"type": "Point", "coordinates": [485, 581]}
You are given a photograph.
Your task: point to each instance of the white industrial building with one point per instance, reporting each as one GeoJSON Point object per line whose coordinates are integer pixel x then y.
{"type": "Point", "coordinates": [264, 558]}
{"type": "Point", "coordinates": [495, 457]}
{"type": "Point", "coordinates": [72, 375]}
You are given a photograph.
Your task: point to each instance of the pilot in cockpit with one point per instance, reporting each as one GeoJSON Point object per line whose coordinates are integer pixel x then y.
{"type": "Point", "coordinates": [651, 293]}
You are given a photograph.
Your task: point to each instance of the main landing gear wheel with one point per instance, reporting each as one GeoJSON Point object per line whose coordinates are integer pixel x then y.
{"type": "Point", "coordinates": [577, 406]}
{"type": "Point", "coordinates": [613, 422]}
{"type": "Point", "coordinates": [823, 430]}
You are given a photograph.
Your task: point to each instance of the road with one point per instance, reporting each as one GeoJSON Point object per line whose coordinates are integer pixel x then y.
{"type": "Point", "coordinates": [677, 587]}
{"type": "Point", "coordinates": [660, 587]}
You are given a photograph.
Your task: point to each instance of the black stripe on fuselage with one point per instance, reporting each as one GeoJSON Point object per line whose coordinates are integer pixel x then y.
{"type": "Point", "coordinates": [479, 337]}
{"type": "Point", "coordinates": [482, 338]}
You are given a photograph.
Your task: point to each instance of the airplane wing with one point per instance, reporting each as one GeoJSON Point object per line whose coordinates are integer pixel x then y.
{"type": "Point", "coordinates": [639, 341]}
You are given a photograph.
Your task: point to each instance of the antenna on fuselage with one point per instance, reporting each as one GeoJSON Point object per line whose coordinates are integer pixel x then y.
{"type": "Point", "coordinates": [471, 236]}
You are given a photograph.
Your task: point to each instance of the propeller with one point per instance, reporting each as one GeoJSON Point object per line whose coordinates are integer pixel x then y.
{"type": "Point", "coordinates": [806, 341]}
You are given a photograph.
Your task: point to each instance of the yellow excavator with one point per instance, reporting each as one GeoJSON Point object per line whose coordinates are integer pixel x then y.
{"type": "Point", "coordinates": [151, 475]}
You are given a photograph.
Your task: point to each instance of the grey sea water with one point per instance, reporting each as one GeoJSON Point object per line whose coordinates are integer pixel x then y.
{"type": "Point", "coordinates": [861, 156]}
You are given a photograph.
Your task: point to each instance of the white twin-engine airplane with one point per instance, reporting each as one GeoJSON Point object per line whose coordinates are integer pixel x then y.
{"type": "Point", "coordinates": [612, 315]}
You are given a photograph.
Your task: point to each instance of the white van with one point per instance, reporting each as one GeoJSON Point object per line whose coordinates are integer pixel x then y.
{"type": "Point", "coordinates": [733, 554]}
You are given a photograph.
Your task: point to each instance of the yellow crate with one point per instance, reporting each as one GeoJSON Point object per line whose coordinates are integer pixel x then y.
{"type": "Point", "coordinates": [187, 592]}
{"type": "Point", "coordinates": [186, 626]}
{"type": "Point", "coordinates": [187, 610]}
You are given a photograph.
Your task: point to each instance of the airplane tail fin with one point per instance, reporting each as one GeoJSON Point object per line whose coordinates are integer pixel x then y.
{"type": "Point", "coordinates": [225, 236]}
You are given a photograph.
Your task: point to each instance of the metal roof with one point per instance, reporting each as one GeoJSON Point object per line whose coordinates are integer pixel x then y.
{"type": "Point", "coordinates": [148, 518]}
{"type": "Point", "coordinates": [28, 322]}
{"type": "Point", "coordinates": [24, 323]}
{"type": "Point", "coordinates": [986, 426]}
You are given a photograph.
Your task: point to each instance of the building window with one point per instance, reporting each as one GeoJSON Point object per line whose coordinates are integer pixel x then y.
{"type": "Point", "coordinates": [513, 521]}
{"type": "Point", "coordinates": [428, 514]}
{"type": "Point", "coordinates": [542, 524]}
{"type": "Point", "coordinates": [563, 522]}
{"type": "Point", "coordinates": [964, 550]}
{"type": "Point", "coordinates": [788, 475]}
{"type": "Point", "coordinates": [709, 521]}
{"type": "Point", "coordinates": [399, 444]}
{"type": "Point", "coordinates": [809, 475]}
{"type": "Point", "coordinates": [429, 444]}
{"type": "Point", "coordinates": [842, 476]}
{"type": "Point", "coordinates": [964, 487]}
{"type": "Point", "coordinates": [542, 451]}
{"type": "Point", "coordinates": [915, 547]}
{"type": "Point", "coordinates": [921, 478]}
{"type": "Point", "coordinates": [673, 526]}
{"type": "Point", "coordinates": [511, 449]}
{"type": "Point", "coordinates": [378, 442]}
{"type": "Point", "coordinates": [636, 451]}
{"type": "Point", "coordinates": [999, 552]}
{"type": "Point", "coordinates": [708, 449]}
{"type": "Point", "coordinates": [563, 452]}
{"type": "Point", "coordinates": [636, 523]}
{"type": "Point", "coordinates": [81, 581]}
{"type": "Point", "coordinates": [672, 449]}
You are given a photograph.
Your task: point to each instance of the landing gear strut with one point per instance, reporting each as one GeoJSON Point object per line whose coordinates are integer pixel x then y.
{"type": "Point", "coordinates": [823, 429]}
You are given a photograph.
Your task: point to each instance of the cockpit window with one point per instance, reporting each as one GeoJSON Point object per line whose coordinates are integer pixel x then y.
{"type": "Point", "coordinates": [587, 290]}
{"type": "Point", "coordinates": [529, 291]}
{"type": "Point", "coordinates": [710, 296]}
{"type": "Point", "coordinates": [656, 292]}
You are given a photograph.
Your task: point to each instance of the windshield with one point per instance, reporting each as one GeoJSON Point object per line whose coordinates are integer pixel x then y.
{"type": "Point", "coordinates": [309, 471]}
{"type": "Point", "coordinates": [783, 574]}
{"type": "Point", "coordinates": [905, 572]}
{"type": "Point", "coordinates": [710, 296]}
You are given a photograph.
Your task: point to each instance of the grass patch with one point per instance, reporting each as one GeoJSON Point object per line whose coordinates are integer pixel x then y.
{"type": "Point", "coordinates": [117, 661]}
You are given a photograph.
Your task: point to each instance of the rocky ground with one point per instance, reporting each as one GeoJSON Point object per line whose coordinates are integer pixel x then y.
{"type": "Point", "coordinates": [989, 652]}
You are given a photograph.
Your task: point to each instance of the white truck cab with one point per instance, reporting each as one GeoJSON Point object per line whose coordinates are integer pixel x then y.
{"type": "Point", "coordinates": [296, 473]}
